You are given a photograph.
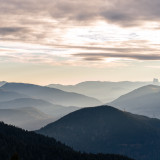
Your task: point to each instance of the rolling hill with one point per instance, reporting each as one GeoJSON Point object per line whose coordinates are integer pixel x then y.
{"type": "Point", "coordinates": [31, 114]}
{"type": "Point", "coordinates": [55, 111]}
{"type": "Point", "coordinates": [27, 118]}
{"type": "Point", "coordinates": [144, 100]}
{"type": "Point", "coordinates": [10, 95]}
{"type": "Point", "coordinates": [105, 129]}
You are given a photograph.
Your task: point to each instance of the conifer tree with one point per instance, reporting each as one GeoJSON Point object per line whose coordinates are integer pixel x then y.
{"type": "Point", "coordinates": [15, 156]}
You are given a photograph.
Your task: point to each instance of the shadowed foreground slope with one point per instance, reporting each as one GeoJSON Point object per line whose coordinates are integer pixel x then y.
{"type": "Point", "coordinates": [31, 146]}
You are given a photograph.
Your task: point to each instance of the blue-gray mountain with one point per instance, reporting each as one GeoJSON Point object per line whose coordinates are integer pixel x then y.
{"type": "Point", "coordinates": [52, 95]}
{"type": "Point", "coordinates": [108, 130]}
{"type": "Point", "coordinates": [53, 110]}
{"type": "Point", "coordinates": [22, 105]}
{"type": "Point", "coordinates": [2, 83]}
{"type": "Point", "coordinates": [10, 95]}
{"type": "Point", "coordinates": [27, 118]}
{"type": "Point", "coordinates": [104, 91]}
{"type": "Point", "coordinates": [144, 101]}
{"type": "Point", "coordinates": [31, 114]}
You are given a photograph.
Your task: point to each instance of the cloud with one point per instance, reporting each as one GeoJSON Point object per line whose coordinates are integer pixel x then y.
{"type": "Point", "coordinates": [11, 30]}
{"type": "Point", "coordinates": [122, 12]}
{"type": "Point", "coordinates": [102, 56]}
{"type": "Point", "coordinates": [122, 49]}
{"type": "Point", "coordinates": [46, 22]}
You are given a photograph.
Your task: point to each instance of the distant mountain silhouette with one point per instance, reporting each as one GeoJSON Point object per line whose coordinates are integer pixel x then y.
{"type": "Point", "coordinates": [28, 118]}
{"type": "Point", "coordinates": [16, 143]}
{"type": "Point", "coordinates": [44, 106]}
{"type": "Point", "coordinates": [31, 114]}
{"type": "Point", "coordinates": [2, 83]}
{"type": "Point", "coordinates": [10, 95]}
{"type": "Point", "coordinates": [108, 130]}
{"type": "Point", "coordinates": [144, 100]}
{"type": "Point", "coordinates": [104, 91]}
{"type": "Point", "coordinates": [52, 95]}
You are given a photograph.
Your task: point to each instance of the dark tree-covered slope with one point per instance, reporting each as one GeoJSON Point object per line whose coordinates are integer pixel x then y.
{"type": "Point", "coordinates": [16, 142]}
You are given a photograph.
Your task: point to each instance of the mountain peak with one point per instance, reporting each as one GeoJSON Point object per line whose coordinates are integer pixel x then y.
{"type": "Point", "coordinates": [104, 129]}
{"type": "Point", "coordinates": [144, 101]}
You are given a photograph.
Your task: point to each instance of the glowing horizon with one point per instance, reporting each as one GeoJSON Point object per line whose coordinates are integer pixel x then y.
{"type": "Point", "coordinates": [79, 41]}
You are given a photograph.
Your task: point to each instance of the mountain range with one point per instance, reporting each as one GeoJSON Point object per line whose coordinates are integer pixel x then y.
{"type": "Point", "coordinates": [22, 104]}
{"type": "Point", "coordinates": [52, 95]}
{"type": "Point", "coordinates": [105, 129]}
{"type": "Point", "coordinates": [104, 91]}
{"type": "Point", "coordinates": [95, 130]}
{"type": "Point", "coordinates": [53, 110]}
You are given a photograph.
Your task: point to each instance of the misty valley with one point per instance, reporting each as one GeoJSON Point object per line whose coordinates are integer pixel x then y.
{"type": "Point", "coordinates": [92, 120]}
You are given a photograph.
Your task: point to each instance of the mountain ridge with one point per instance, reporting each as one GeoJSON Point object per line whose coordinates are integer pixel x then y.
{"type": "Point", "coordinates": [52, 95]}
{"type": "Point", "coordinates": [51, 111]}
{"type": "Point", "coordinates": [106, 91]}
{"type": "Point", "coordinates": [144, 100]}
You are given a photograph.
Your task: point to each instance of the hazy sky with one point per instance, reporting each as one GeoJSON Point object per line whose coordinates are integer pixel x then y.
{"type": "Point", "coordinates": [68, 41]}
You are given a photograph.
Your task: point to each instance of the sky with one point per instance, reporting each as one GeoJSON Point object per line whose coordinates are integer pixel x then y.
{"type": "Point", "coordinates": [69, 41]}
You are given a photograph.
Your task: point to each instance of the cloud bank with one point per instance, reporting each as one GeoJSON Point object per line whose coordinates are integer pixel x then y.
{"type": "Point", "coordinates": [46, 22]}
{"type": "Point", "coordinates": [123, 12]}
